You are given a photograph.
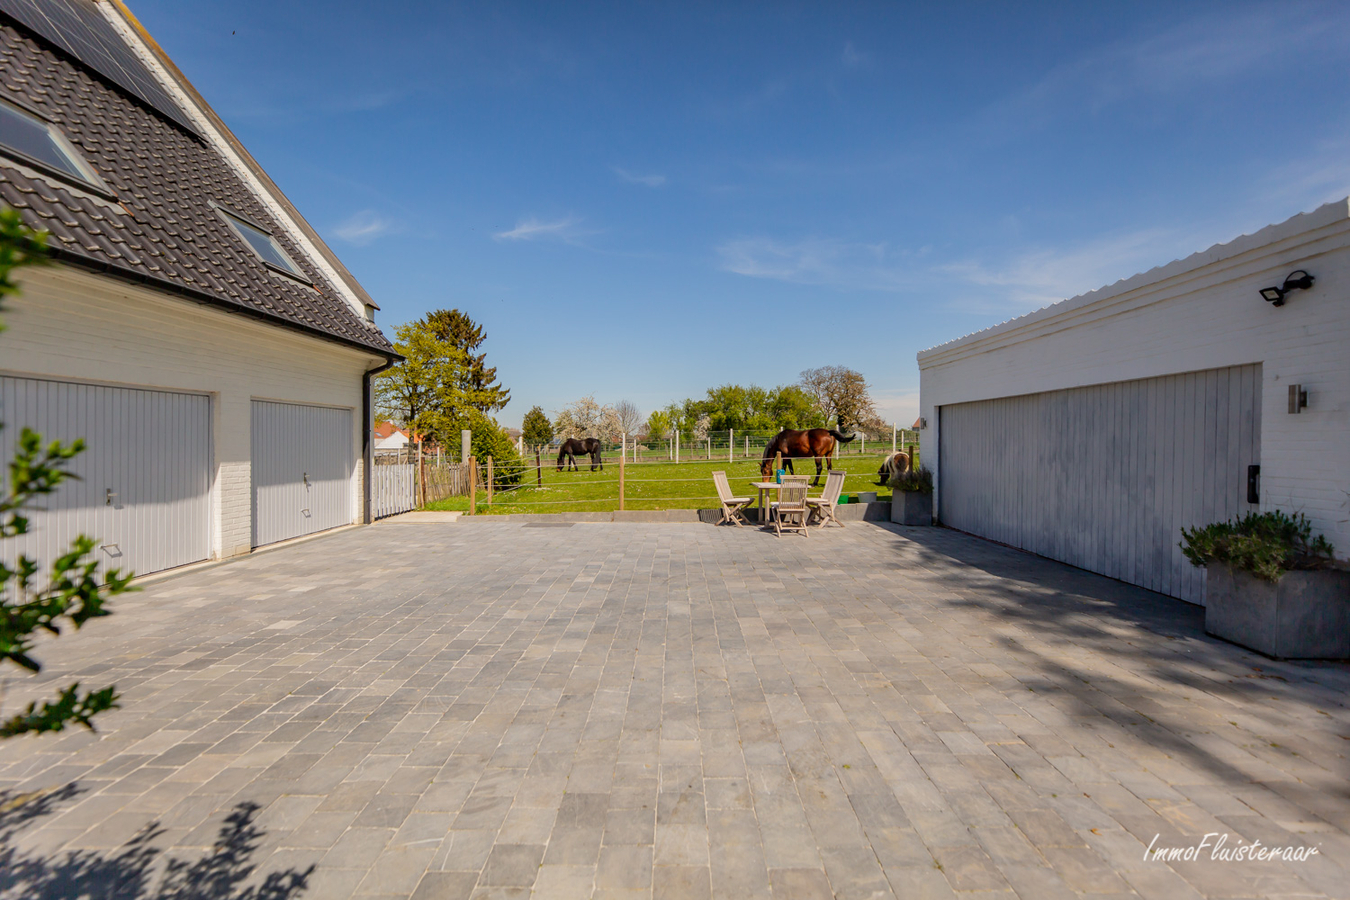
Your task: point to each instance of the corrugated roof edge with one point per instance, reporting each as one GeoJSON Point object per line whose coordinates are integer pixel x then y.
{"type": "Point", "coordinates": [329, 256]}
{"type": "Point", "coordinates": [80, 261]}
{"type": "Point", "coordinates": [1324, 215]}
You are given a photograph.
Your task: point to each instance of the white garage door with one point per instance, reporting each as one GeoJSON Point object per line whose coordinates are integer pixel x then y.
{"type": "Point", "coordinates": [302, 470]}
{"type": "Point", "coordinates": [1105, 477]}
{"type": "Point", "coordinates": [144, 488]}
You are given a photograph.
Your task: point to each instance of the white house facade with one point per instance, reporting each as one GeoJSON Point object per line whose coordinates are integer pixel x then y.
{"type": "Point", "coordinates": [1094, 430]}
{"type": "Point", "coordinates": [193, 330]}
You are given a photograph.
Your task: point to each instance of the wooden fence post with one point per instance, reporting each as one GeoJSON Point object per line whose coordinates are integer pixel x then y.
{"type": "Point", "coordinates": [489, 481]}
{"type": "Point", "coordinates": [677, 446]}
{"type": "Point", "coordinates": [621, 483]}
{"type": "Point", "coordinates": [421, 476]}
{"type": "Point", "coordinates": [777, 463]}
{"type": "Point", "coordinates": [538, 469]}
{"type": "Point", "coordinates": [731, 444]}
{"type": "Point", "coordinates": [473, 484]}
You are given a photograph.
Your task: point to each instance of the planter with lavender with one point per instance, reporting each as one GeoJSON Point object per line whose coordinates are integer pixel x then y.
{"type": "Point", "coordinates": [912, 497]}
{"type": "Point", "coordinates": [1273, 587]}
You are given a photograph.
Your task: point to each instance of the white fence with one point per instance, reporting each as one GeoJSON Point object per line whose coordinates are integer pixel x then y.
{"type": "Point", "coordinates": [393, 489]}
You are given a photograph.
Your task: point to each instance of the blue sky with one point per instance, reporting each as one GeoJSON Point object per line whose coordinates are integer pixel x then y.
{"type": "Point", "coordinates": [641, 200]}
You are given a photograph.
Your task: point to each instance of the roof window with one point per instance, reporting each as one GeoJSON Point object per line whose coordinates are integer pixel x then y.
{"type": "Point", "coordinates": [26, 138]}
{"type": "Point", "coordinates": [261, 242]}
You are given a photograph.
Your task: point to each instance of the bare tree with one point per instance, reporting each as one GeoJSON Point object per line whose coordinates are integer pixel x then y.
{"type": "Point", "coordinates": [630, 417]}
{"type": "Point", "coordinates": [839, 393]}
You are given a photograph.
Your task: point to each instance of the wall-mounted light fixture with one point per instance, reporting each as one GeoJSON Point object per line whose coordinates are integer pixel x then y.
{"type": "Point", "coordinates": [921, 424]}
{"type": "Point", "coordinates": [1298, 398]}
{"type": "Point", "coordinates": [1297, 280]}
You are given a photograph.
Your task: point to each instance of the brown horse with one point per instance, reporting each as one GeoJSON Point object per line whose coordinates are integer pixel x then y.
{"type": "Point", "coordinates": [574, 447]}
{"type": "Point", "coordinates": [818, 443]}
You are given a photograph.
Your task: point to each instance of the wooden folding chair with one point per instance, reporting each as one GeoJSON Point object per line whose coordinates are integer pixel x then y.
{"type": "Point", "coordinates": [791, 510]}
{"type": "Point", "coordinates": [732, 507]}
{"type": "Point", "coordinates": [822, 507]}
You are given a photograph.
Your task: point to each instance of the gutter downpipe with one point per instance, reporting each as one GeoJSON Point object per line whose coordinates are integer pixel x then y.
{"type": "Point", "coordinates": [368, 437]}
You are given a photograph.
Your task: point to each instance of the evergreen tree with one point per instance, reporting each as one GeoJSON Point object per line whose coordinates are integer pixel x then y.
{"type": "Point", "coordinates": [536, 428]}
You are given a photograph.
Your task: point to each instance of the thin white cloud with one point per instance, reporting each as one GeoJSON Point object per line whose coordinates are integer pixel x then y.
{"type": "Point", "coordinates": [1006, 284]}
{"type": "Point", "coordinates": [363, 227]}
{"type": "Point", "coordinates": [648, 180]}
{"type": "Point", "coordinates": [1209, 51]}
{"type": "Point", "coordinates": [826, 262]}
{"type": "Point", "coordinates": [533, 229]}
{"type": "Point", "coordinates": [854, 58]}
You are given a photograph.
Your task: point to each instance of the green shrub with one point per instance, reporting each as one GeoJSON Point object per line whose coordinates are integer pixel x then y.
{"type": "Point", "coordinates": [920, 481]}
{"type": "Point", "coordinates": [490, 440]}
{"type": "Point", "coordinates": [1265, 544]}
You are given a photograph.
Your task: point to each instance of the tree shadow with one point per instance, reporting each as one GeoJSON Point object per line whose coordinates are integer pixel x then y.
{"type": "Point", "coordinates": [138, 870]}
{"type": "Point", "coordinates": [1153, 637]}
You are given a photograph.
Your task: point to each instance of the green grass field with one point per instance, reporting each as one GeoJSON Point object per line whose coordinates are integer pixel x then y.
{"type": "Point", "coordinates": [662, 485]}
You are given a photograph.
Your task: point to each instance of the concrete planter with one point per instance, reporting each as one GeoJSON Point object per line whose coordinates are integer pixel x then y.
{"type": "Point", "coordinates": [1304, 615]}
{"type": "Point", "coordinates": [911, 508]}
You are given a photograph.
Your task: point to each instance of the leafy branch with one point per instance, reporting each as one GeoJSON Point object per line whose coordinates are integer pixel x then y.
{"type": "Point", "coordinates": [73, 591]}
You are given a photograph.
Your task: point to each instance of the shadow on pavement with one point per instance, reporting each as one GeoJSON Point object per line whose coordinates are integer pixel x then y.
{"type": "Point", "coordinates": [137, 869]}
{"type": "Point", "coordinates": [1160, 641]}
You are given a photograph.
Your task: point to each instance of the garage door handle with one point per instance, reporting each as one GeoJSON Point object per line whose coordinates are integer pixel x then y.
{"type": "Point", "coordinates": [305, 477]}
{"type": "Point", "coordinates": [111, 495]}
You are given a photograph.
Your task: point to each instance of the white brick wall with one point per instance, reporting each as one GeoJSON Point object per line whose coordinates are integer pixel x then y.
{"type": "Point", "coordinates": [1201, 312]}
{"type": "Point", "coordinates": [68, 324]}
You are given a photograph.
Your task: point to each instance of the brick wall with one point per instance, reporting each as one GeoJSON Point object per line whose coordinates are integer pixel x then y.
{"type": "Point", "coordinates": [72, 325]}
{"type": "Point", "coordinates": [1198, 313]}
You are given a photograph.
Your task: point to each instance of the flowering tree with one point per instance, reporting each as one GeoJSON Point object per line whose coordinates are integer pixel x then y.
{"type": "Point", "coordinates": [586, 418]}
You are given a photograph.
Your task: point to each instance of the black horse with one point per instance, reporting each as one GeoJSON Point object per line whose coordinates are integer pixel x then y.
{"type": "Point", "coordinates": [574, 447]}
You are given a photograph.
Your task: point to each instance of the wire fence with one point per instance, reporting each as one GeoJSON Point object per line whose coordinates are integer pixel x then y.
{"type": "Point", "coordinates": [730, 445]}
{"type": "Point", "coordinates": [627, 473]}
{"type": "Point", "coordinates": [622, 482]}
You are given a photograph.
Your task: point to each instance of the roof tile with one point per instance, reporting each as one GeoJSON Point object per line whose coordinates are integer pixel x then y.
{"type": "Point", "coordinates": [166, 182]}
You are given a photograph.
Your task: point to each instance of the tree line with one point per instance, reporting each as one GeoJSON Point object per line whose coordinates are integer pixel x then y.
{"type": "Point", "coordinates": [823, 397]}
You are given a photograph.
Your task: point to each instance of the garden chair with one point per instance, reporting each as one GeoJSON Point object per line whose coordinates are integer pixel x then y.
{"type": "Point", "coordinates": [732, 507]}
{"type": "Point", "coordinates": [822, 507]}
{"type": "Point", "coordinates": [791, 510]}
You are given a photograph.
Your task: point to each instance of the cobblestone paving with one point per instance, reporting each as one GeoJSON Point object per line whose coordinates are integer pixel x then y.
{"type": "Point", "coordinates": [490, 709]}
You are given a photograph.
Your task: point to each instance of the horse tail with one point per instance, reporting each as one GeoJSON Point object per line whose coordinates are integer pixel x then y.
{"type": "Point", "coordinates": [842, 438]}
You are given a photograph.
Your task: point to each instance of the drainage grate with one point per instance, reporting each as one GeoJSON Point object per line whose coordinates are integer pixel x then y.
{"type": "Point", "coordinates": [548, 525]}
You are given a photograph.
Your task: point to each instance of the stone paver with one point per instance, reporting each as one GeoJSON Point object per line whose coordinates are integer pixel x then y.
{"type": "Point", "coordinates": [498, 709]}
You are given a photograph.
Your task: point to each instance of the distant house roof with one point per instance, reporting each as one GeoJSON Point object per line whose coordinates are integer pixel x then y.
{"type": "Point", "coordinates": [388, 429]}
{"type": "Point", "coordinates": [163, 224]}
{"type": "Point", "coordinates": [918, 423]}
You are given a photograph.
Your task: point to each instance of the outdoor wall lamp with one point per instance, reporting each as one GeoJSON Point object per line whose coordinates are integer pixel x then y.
{"type": "Point", "coordinates": [1298, 279]}
{"type": "Point", "coordinates": [1298, 398]}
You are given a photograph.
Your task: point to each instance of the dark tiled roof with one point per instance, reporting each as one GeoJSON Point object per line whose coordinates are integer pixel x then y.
{"type": "Point", "coordinates": [163, 230]}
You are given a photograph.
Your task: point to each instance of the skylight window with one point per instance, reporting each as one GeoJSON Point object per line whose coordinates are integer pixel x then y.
{"type": "Point", "coordinates": [28, 139]}
{"type": "Point", "coordinates": [266, 247]}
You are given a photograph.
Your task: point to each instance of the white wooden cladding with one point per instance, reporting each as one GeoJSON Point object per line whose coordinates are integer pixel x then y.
{"type": "Point", "coordinates": [393, 489]}
{"type": "Point", "coordinates": [1105, 477]}
{"type": "Point", "coordinates": [144, 480]}
{"type": "Point", "coordinates": [301, 470]}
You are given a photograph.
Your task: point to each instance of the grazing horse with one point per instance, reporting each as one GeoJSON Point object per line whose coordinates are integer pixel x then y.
{"type": "Point", "coordinates": [894, 464]}
{"type": "Point", "coordinates": [817, 443]}
{"type": "Point", "coordinates": [572, 447]}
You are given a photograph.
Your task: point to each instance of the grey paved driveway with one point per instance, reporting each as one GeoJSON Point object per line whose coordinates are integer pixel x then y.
{"type": "Point", "coordinates": [497, 710]}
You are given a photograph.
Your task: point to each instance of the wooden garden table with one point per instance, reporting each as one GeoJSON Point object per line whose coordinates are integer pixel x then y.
{"type": "Point", "coordinates": [764, 487]}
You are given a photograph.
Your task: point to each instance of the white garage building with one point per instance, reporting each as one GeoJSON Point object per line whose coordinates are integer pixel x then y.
{"type": "Point", "coordinates": [1094, 430]}
{"type": "Point", "coordinates": [195, 331]}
